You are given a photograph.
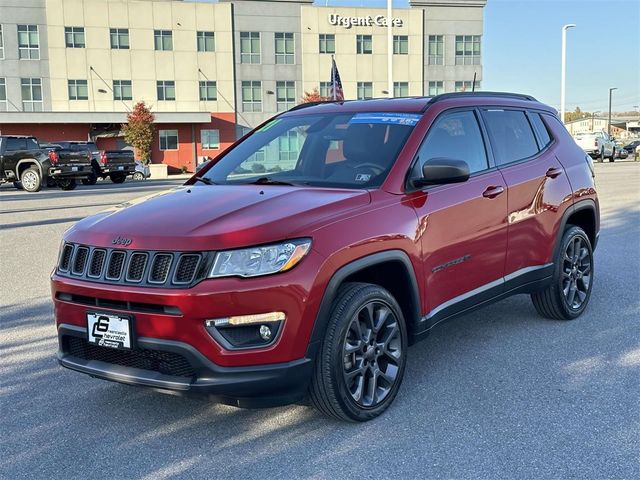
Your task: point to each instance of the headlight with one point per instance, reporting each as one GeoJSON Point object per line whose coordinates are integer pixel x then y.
{"type": "Point", "coordinates": [256, 261]}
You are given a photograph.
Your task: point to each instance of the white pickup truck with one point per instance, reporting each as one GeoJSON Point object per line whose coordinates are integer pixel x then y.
{"type": "Point", "coordinates": [597, 144]}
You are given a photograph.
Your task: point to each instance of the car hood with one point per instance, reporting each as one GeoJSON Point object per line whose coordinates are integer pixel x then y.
{"type": "Point", "coordinates": [215, 217]}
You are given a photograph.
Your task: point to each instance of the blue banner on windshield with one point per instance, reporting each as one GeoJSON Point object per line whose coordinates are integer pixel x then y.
{"type": "Point", "coordinates": [409, 119]}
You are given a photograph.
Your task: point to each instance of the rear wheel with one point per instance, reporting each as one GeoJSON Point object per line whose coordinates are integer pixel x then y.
{"type": "Point", "coordinates": [90, 180]}
{"type": "Point", "coordinates": [601, 156]}
{"type": "Point", "coordinates": [67, 183]}
{"type": "Point", "coordinates": [362, 359]}
{"type": "Point", "coordinates": [138, 176]}
{"type": "Point", "coordinates": [612, 158]}
{"type": "Point", "coordinates": [570, 289]}
{"type": "Point", "coordinates": [118, 177]}
{"type": "Point", "coordinates": [31, 180]}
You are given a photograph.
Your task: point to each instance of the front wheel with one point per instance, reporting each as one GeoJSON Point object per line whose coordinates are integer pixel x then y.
{"type": "Point", "coordinates": [568, 294]}
{"type": "Point", "coordinates": [362, 359]}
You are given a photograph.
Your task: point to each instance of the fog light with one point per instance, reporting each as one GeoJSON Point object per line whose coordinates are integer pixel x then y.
{"type": "Point", "coordinates": [265, 333]}
{"type": "Point", "coordinates": [246, 319]}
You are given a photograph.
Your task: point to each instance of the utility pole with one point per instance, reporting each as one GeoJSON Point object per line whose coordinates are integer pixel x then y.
{"type": "Point", "coordinates": [563, 74]}
{"type": "Point", "coordinates": [609, 124]}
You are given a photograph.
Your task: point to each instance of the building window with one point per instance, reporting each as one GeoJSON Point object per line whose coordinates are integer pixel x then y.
{"type": "Point", "coordinates": [285, 48]}
{"type": "Point", "coordinates": [206, 41]}
{"type": "Point", "coordinates": [210, 139]}
{"type": "Point", "coordinates": [28, 42]}
{"type": "Point", "coordinates": [78, 90]}
{"type": "Point", "coordinates": [249, 47]}
{"type": "Point", "coordinates": [288, 148]}
{"type": "Point", "coordinates": [163, 39]}
{"type": "Point", "coordinates": [325, 89]}
{"type": "Point", "coordinates": [285, 95]}
{"type": "Point", "coordinates": [122, 90]}
{"type": "Point", "coordinates": [252, 96]}
{"type": "Point", "coordinates": [166, 90]}
{"type": "Point", "coordinates": [436, 50]}
{"type": "Point", "coordinates": [208, 90]}
{"type": "Point", "coordinates": [3, 95]}
{"type": "Point", "coordinates": [327, 43]}
{"type": "Point", "coordinates": [364, 44]}
{"type": "Point", "coordinates": [119, 38]}
{"type": "Point", "coordinates": [168, 139]}
{"type": "Point", "coordinates": [467, 49]}
{"type": "Point", "coordinates": [436, 88]}
{"type": "Point", "coordinates": [401, 45]}
{"type": "Point", "coordinates": [31, 94]}
{"type": "Point", "coordinates": [1, 43]}
{"type": "Point", "coordinates": [365, 90]}
{"type": "Point", "coordinates": [74, 37]}
{"type": "Point", "coordinates": [400, 89]}
{"type": "Point", "coordinates": [466, 86]}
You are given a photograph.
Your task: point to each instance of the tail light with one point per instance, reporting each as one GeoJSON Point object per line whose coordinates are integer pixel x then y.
{"type": "Point", "coordinates": [103, 158]}
{"type": "Point", "coordinates": [53, 156]}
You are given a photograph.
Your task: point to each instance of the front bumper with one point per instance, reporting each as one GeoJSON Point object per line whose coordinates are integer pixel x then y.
{"type": "Point", "coordinates": [250, 387]}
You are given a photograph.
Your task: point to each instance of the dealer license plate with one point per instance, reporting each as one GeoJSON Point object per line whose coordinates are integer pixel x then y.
{"type": "Point", "coordinates": [109, 330]}
{"type": "Point", "coordinates": [120, 168]}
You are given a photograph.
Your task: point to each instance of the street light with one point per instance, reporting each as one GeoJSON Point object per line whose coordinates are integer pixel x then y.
{"type": "Point", "coordinates": [609, 124]}
{"type": "Point", "coordinates": [564, 69]}
{"type": "Point", "coordinates": [390, 48]}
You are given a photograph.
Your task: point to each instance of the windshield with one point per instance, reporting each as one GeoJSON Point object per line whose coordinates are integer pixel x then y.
{"type": "Point", "coordinates": [350, 150]}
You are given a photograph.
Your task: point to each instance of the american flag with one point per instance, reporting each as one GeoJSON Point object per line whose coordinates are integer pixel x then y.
{"type": "Point", "coordinates": [336, 83]}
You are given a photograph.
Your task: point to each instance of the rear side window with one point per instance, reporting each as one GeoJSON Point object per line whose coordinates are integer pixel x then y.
{"type": "Point", "coordinates": [511, 135]}
{"type": "Point", "coordinates": [541, 129]}
{"type": "Point", "coordinates": [14, 144]}
{"type": "Point", "coordinates": [32, 144]}
{"type": "Point", "coordinates": [455, 135]}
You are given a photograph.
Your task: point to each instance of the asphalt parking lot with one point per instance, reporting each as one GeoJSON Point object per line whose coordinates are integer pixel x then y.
{"type": "Point", "coordinates": [498, 393]}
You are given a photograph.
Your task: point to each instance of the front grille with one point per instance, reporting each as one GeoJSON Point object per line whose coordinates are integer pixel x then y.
{"type": "Point", "coordinates": [166, 363]}
{"type": "Point", "coordinates": [122, 267]}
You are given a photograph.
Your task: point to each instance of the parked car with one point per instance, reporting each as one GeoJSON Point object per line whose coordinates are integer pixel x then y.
{"type": "Point", "coordinates": [598, 145]}
{"type": "Point", "coordinates": [29, 166]}
{"type": "Point", "coordinates": [142, 171]}
{"type": "Point", "coordinates": [631, 146]}
{"type": "Point", "coordinates": [313, 276]}
{"type": "Point", "coordinates": [621, 152]}
{"type": "Point", "coordinates": [115, 164]}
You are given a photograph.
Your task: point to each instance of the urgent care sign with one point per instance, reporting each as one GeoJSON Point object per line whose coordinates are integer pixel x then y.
{"type": "Point", "coordinates": [367, 21]}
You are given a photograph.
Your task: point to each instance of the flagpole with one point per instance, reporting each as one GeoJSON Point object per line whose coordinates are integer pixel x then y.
{"type": "Point", "coordinates": [333, 76]}
{"type": "Point", "coordinates": [390, 48]}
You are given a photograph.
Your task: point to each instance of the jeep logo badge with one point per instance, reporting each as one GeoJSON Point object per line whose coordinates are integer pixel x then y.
{"type": "Point", "coordinates": [121, 241]}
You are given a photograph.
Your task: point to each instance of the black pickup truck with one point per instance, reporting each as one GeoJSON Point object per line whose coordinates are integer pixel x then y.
{"type": "Point", "coordinates": [29, 166]}
{"type": "Point", "coordinates": [115, 164]}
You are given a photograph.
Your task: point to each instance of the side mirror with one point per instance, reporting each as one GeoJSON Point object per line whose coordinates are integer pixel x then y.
{"type": "Point", "coordinates": [439, 171]}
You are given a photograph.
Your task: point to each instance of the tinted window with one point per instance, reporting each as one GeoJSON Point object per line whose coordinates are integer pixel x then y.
{"type": "Point", "coordinates": [32, 144]}
{"type": "Point", "coordinates": [457, 136]}
{"type": "Point", "coordinates": [15, 144]}
{"type": "Point", "coordinates": [511, 135]}
{"type": "Point", "coordinates": [541, 129]}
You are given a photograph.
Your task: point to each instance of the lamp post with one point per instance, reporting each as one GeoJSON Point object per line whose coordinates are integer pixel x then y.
{"type": "Point", "coordinates": [390, 47]}
{"type": "Point", "coordinates": [609, 123]}
{"type": "Point", "coordinates": [563, 75]}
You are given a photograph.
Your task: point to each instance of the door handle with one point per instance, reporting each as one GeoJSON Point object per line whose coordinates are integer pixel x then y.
{"type": "Point", "coordinates": [553, 172]}
{"type": "Point", "coordinates": [493, 191]}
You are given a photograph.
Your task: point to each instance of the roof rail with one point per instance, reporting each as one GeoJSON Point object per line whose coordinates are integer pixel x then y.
{"type": "Point", "coordinates": [312, 104]}
{"type": "Point", "coordinates": [517, 96]}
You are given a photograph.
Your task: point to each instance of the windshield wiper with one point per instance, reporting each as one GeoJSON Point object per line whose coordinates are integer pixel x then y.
{"type": "Point", "coordinates": [268, 181]}
{"type": "Point", "coordinates": [205, 180]}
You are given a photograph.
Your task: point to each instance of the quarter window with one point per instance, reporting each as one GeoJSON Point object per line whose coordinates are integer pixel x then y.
{"type": "Point", "coordinates": [400, 44]}
{"type": "Point", "coordinates": [364, 44]}
{"type": "Point", "coordinates": [252, 96]}
{"type": "Point", "coordinates": [119, 38]}
{"type": "Point", "coordinates": [365, 90]}
{"type": "Point", "coordinates": [467, 49]}
{"type": "Point", "coordinates": [511, 135]}
{"type": "Point", "coordinates": [284, 48]}
{"type": "Point", "coordinates": [74, 37]}
{"type": "Point", "coordinates": [327, 43]}
{"type": "Point", "coordinates": [206, 41]}
{"type": "Point", "coordinates": [78, 90]}
{"type": "Point", "coordinates": [31, 89]}
{"type": "Point", "coordinates": [400, 89]}
{"type": "Point", "coordinates": [541, 129]}
{"type": "Point", "coordinates": [122, 90]}
{"type": "Point", "coordinates": [249, 47]}
{"type": "Point", "coordinates": [163, 39]}
{"type": "Point", "coordinates": [455, 135]}
{"type": "Point", "coordinates": [285, 95]}
{"type": "Point", "coordinates": [28, 42]}
{"type": "Point", "coordinates": [168, 139]}
{"type": "Point", "coordinates": [210, 139]}
{"type": "Point", "coordinates": [436, 49]}
{"type": "Point", "coordinates": [208, 90]}
{"type": "Point", "coordinates": [166, 89]}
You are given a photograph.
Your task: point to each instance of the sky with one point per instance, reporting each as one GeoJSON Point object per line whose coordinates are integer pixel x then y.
{"type": "Point", "coordinates": [522, 44]}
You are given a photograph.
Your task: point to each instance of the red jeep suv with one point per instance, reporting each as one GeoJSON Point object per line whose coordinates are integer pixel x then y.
{"type": "Point", "coordinates": [306, 258]}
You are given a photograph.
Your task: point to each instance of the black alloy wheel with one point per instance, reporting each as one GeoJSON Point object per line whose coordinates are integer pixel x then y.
{"type": "Point", "coordinates": [576, 273]}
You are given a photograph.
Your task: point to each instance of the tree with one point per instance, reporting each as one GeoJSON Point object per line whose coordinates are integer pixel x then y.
{"type": "Point", "coordinates": [575, 115]}
{"type": "Point", "coordinates": [313, 96]}
{"type": "Point", "coordinates": [138, 131]}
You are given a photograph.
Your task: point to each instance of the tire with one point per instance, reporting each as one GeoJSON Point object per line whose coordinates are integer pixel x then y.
{"type": "Point", "coordinates": [601, 156]}
{"type": "Point", "coordinates": [340, 390]}
{"type": "Point", "coordinates": [67, 183]}
{"type": "Point", "coordinates": [51, 183]}
{"type": "Point", "coordinates": [18, 185]}
{"type": "Point", "coordinates": [138, 176]}
{"type": "Point", "coordinates": [612, 158]}
{"type": "Point", "coordinates": [118, 177]}
{"type": "Point", "coordinates": [570, 271]}
{"type": "Point", "coordinates": [31, 180]}
{"type": "Point", "coordinates": [90, 180]}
